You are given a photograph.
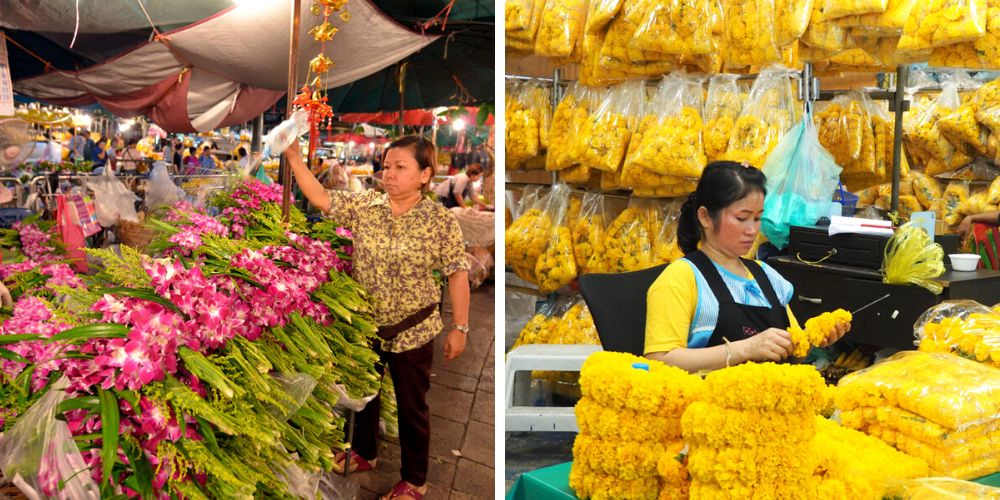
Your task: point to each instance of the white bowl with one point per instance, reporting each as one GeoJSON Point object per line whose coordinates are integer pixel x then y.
{"type": "Point", "coordinates": [964, 261]}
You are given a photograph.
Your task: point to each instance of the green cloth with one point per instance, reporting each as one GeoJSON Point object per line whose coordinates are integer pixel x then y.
{"type": "Point", "coordinates": [552, 483]}
{"type": "Point", "coordinates": [263, 177]}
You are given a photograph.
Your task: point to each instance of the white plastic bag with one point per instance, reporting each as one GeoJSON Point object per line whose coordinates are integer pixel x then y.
{"type": "Point", "coordinates": [161, 190]}
{"type": "Point", "coordinates": [282, 136]}
{"type": "Point", "coordinates": [112, 199]}
{"type": "Point", "coordinates": [39, 452]}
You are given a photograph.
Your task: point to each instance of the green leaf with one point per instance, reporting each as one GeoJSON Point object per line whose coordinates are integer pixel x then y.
{"type": "Point", "coordinates": [484, 113]}
{"type": "Point", "coordinates": [24, 379]}
{"type": "Point", "coordinates": [140, 293]}
{"type": "Point", "coordinates": [131, 398]}
{"type": "Point", "coordinates": [23, 337]}
{"type": "Point", "coordinates": [142, 471]}
{"type": "Point", "coordinates": [208, 434]}
{"type": "Point", "coordinates": [109, 432]}
{"type": "Point", "coordinates": [11, 355]}
{"type": "Point", "coordinates": [80, 403]}
{"type": "Point", "coordinates": [91, 331]}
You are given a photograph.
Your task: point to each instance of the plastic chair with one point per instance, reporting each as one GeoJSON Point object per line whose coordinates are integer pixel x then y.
{"type": "Point", "coordinates": [617, 303]}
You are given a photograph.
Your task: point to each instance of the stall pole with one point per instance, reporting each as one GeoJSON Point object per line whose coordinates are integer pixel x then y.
{"type": "Point", "coordinates": [258, 131]}
{"type": "Point", "coordinates": [898, 105]}
{"type": "Point", "coordinates": [401, 78]}
{"type": "Point", "coordinates": [293, 69]}
{"type": "Point", "coordinates": [553, 102]}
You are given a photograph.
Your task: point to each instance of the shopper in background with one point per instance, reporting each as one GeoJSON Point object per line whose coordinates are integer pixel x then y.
{"type": "Point", "coordinates": [455, 191]}
{"type": "Point", "coordinates": [191, 161]}
{"type": "Point", "coordinates": [400, 238]}
{"type": "Point", "coordinates": [206, 161]}
{"type": "Point", "coordinates": [76, 144]}
{"type": "Point", "coordinates": [714, 308]}
{"type": "Point", "coordinates": [131, 157]}
{"type": "Point", "coordinates": [99, 152]}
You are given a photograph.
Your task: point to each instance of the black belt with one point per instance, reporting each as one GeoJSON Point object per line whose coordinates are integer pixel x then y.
{"type": "Point", "coordinates": [392, 331]}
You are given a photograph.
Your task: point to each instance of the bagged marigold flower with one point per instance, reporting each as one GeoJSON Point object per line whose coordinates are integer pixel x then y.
{"type": "Point", "coordinates": [944, 388]}
{"type": "Point", "coordinates": [770, 111]}
{"type": "Point", "coordinates": [816, 331]}
{"type": "Point", "coordinates": [833, 9]}
{"type": "Point", "coordinates": [528, 115]}
{"type": "Point", "coordinates": [603, 140]}
{"type": "Point", "coordinates": [588, 231]}
{"type": "Point", "coordinates": [577, 174]}
{"type": "Point", "coordinates": [521, 20]}
{"type": "Point", "coordinates": [792, 19]}
{"type": "Point", "coordinates": [963, 327]}
{"type": "Point", "coordinates": [556, 266]}
{"type": "Point", "coordinates": [971, 459]}
{"type": "Point", "coordinates": [517, 14]}
{"type": "Point", "coordinates": [750, 38]}
{"type": "Point", "coordinates": [671, 189]}
{"type": "Point", "coordinates": [982, 53]}
{"type": "Point", "coordinates": [526, 239]}
{"type": "Point", "coordinates": [941, 488]}
{"type": "Point", "coordinates": [926, 188]}
{"type": "Point", "coordinates": [937, 23]}
{"type": "Point", "coordinates": [666, 249]}
{"type": "Point", "coordinates": [925, 132]}
{"type": "Point", "coordinates": [560, 27]}
{"type": "Point", "coordinates": [600, 13]}
{"type": "Point", "coordinates": [951, 202]}
{"type": "Point", "coordinates": [676, 27]}
{"type": "Point", "coordinates": [792, 388]}
{"type": "Point", "coordinates": [822, 35]}
{"type": "Point", "coordinates": [628, 242]}
{"type": "Point", "coordinates": [669, 142]}
{"type": "Point", "coordinates": [722, 107]}
{"type": "Point", "coordinates": [989, 106]}
{"type": "Point", "coordinates": [538, 329]}
{"type": "Point", "coordinates": [842, 125]}
{"type": "Point", "coordinates": [570, 115]}
{"type": "Point", "coordinates": [887, 23]}
{"type": "Point", "coordinates": [976, 204]}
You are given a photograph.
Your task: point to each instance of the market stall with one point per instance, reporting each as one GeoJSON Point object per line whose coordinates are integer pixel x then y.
{"type": "Point", "coordinates": [614, 110]}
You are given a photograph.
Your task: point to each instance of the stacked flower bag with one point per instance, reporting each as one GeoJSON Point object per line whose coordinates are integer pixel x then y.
{"type": "Point", "coordinates": [629, 419]}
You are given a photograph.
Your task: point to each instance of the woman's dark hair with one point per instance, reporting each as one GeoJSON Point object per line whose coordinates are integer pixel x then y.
{"type": "Point", "coordinates": [722, 184]}
{"type": "Point", "coordinates": [422, 148]}
{"type": "Point", "coordinates": [240, 153]}
{"type": "Point", "coordinates": [474, 169]}
{"type": "Point", "coordinates": [193, 150]}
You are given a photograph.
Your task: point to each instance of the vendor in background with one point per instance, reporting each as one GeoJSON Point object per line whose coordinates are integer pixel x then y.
{"type": "Point", "coordinates": [400, 238]}
{"type": "Point", "coordinates": [714, 308]}
{"type": "Point", "coordinates": [131, 157]}
{"type": "Point", "coordinates": [965, 227]}
{"type": "Point", "coordinates": [99, 152]}
{"type": "Point", "coordinates": [191, 161]}
{"type": "Point", "coordinates": [76, 145]}
{"type": "Point", "coordinates": [206, 161]}
{"type": "Point", "coordinates": [455, 191]}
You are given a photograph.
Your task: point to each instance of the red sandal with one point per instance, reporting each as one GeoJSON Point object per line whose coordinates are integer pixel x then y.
{"type": "Point", "coordinates": [359, 462]}
{"type": "Point", "coordinates": [403, 488]}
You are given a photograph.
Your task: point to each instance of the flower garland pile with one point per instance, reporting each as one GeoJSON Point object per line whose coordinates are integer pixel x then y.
{"type": "Point", "coordinates": [938, 407]}
{"type": "Point", "coordinates": [209, 373]}
{"type": "Point", "coordinates": [629, 421]}
{"type": "Point", "coordinates": [745, 441]}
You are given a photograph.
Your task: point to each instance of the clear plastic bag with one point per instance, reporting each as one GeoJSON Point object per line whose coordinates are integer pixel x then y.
{"type": "Point", "coordinates": [792, 19]}
{"type": "Point", "coordinates": [112, 199]}
{"type": "Point", "coordinates": [525, 239]}
{"type": "Point", "coordinates": [801, 178]}
{"type": "Point", "coordinates": [912, 258]}
{"type": "Point", "coordinates": [946, 389]}
{"type": "Point", "coordinates": [940, 488]}
{"type": "Point", "coordinates": [770, 111]}
{"type": "Point", "coordinates": [926, 188]}
{"type": "Point", "coordinates": [937, 23]}
{"type": "Point", "coordinates": [161, 190]}
{"type": "Point", "coordinates": [670, 187]}
{"type": "Point", "coordinates": [628, 242]}
{"type": "Point", "coordinates": [38, 452]}
{"type": "Point", "coordinates": [560, 27]}
{"type": "Point", "coordinates": [556, 266]}
{"type": "Point", "coordinates": [577, 174]}
{"type": "Point", "coordinates": [668, 140]}
{"type": "Point", "coordinates": [842, 125]}
{"type": "Point", "coordinates": [680, 27]}
{"type": "Point", "coordinates": [521, 20]}
{"type": "Point", "coordinates": [722, 107]}
{"type": "Point", "coordinates": [279, 138]}
{"type": "Point", "coordinates": [982, 53]}
{"type": "Point", "coordinates": [750, 38]}
{"type": "Point", "coordinates": [951, 201]}
{"type": "Point", "coordinates": [993, 193]}
{"type": "Point", "coordinates": [665, 248]}
{"type": "Point", "coordinates": [528, 116]}
{"type": "Point", "coordinates": [925, 133]}
{"type": "Point", "coordinates": [887, 23]}
{"type": "Point", "coordinates": [297, 385]}
{"type": "Point", "coordinates": [570, 114]}
{"type": "Point", "coordinates": [589, 230]}
{"type": "Point", "coordinates": [989, 106]}
{"type": "Point", "coordinates": [963, 327]}
{"type": "Point", "coordinates": [603, 141]}
{"type": "Point", "coordinates": [830, 37]}
{"type": "Point", "coordinates": [600, 13]}
{"type": "Point", "coordinates": [976, 204]}
{"type": "Point", "coordinates": [539, 328]}
{"type": "Point", "coordinates": [834, 9]}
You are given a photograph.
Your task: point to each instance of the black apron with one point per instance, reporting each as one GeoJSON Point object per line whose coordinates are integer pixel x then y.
{"type": "Point", "coordinates": [738, 321]}
{"type": "Point", "coordinates": [450, 201]}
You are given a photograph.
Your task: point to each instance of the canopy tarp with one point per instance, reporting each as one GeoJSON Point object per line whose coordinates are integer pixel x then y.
{"type": "Point", "coordinates": [219, 71]}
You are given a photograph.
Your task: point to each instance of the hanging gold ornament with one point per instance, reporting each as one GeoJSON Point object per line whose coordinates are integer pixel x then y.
{"type": "Point", "coordinates": [316, 9]}
{"type": "Point", "coordinates": [320, 64]}
{"type": "Point", "coordinates": [345, 16]}
{"type": "Point", "coordinates": [323, 32]}
{"type": "Point", "coordinates": [334, 4]}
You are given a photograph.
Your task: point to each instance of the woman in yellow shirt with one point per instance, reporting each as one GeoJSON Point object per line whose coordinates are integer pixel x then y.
{"type": "Point", "coordinates": [714, 308]}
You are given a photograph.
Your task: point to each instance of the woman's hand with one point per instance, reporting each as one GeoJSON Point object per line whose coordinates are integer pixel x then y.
{"type": "Point", "coordinates": [839, 331]}
{"type": "Point", "coordinates": [965, 226]}
{"type": "Point", "coordinates": [454, 344]}
{"type": "Point", "coordinates": [772, 344]}
{"type": "Point", "coordinates": [5, 298]}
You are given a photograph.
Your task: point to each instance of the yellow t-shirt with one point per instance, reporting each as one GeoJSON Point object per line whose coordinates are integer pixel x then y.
{"type": "Point", "coordinates": [671, 303]}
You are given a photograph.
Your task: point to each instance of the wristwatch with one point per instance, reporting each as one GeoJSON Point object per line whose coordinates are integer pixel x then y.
{"type": "Point", "coordinates": [462, 328]}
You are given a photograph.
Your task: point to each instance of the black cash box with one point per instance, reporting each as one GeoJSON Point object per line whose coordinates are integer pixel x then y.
{"type": "Point", "coordinates": [813, 244]}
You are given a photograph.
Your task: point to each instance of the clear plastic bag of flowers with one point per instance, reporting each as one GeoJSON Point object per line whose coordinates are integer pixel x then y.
{"type": "Point", "coordinates": [556, 266]}
{"type": "Point", "coordinates": [792, 19]}
{"type": "Point", "coordinates": [570, 115]}
{"type": "Point", "coordinates": [750, 38]}
{"type": "Point", "coordinates": [945, 389]}
{"type": "Point", "coordinates": [589, 230]}
{"type": "Point", "coordinates": [913, 258]}
{"type": "Point", "coordinates": [926, 188]}
{"type": "Point", "coordinates": [961, 128]}
{"type": "Point", "coordinates": [679, 27]}
{"type": "Point", "coordinates": [600, 13]}
{"type": "Point", "coordinates": [940, 488]}
{"type": "Point", "coordinates": [668, 187]}
{"type": "Point", "coordinates": [603, 140]}
{"type": "Point", "coordinates": [525, 239]}
{"type": "Point", "coordinates": [668, 140]}
{"type": "Point", "coordinates": [982, 53]}
{"type": "Point", "coordinates": [925, 132]}
{"type": "Point", "coordinates": [835, 9]}
{"type": "Point", "coordinates": [951, 201]}
{"type": "Point", "coordinates": [993, 192]}
{"type": "Point", "coordinates": [723, 105]}
{"type": "Point", "coordinates": [937, 23]}
{"type": "Point", "coordinates": [577, 174]}
{"type": "Point", "coordinates": [528, 116]}
{"type": "Point", "coordinates": [560, 27]}
{"type": "Point", "coordinates": [628, 242]}
{"type": "Point", "coordinates": [521, 20]}
{"type": "Point", "coordinates": [822, 35]}
{"type": "Point", "coordinates": [976, 204]}
{"type": "Point", "coordinates": [989, 106]}
{"type": "Point", "coordinates": [39, 455]}
{"type": "Point", "coordinates": [665, 248]}
{"type": "Point", "coordinates": [962, 327]}
{"type": "Point", "coordinates": [771, 110]}
{"type": "Point", "coordinates": [842, 124]}
{"type": "Point", "coordinates": [889, 22]}
{"type": "Point", "coordinates": [540, 327]}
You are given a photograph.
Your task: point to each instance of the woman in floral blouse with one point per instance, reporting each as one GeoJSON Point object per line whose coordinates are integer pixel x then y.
{"type": "Point", "coordinates": [401, 237]}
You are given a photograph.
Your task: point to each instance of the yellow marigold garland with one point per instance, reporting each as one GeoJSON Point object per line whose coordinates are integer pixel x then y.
{"type": "Point", "coordinates": [609, 379]}
{"type": "Point", "coordinates": [714, 426]}
{"type": "Point", "coordinates": [817, 330]}
{"type": "Point", "coordinates": [790, 388]}
{"type": "Point", "coordinates": [615, 424]}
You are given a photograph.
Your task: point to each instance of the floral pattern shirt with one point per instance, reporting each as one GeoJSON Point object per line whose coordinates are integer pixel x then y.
{"type": "Point", "coordinates": [394, 258]}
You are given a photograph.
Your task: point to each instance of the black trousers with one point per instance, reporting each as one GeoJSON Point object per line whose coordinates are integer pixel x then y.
{"type": "Point", "coordinates": [411, 377]}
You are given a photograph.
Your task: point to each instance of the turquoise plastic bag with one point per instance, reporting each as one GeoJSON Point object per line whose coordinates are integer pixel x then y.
{"type": "Point", "coordinates": [801, 179]}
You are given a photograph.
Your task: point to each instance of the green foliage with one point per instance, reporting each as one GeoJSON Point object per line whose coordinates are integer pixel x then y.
{"type": "Point", "coordinates": [124, 270]}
